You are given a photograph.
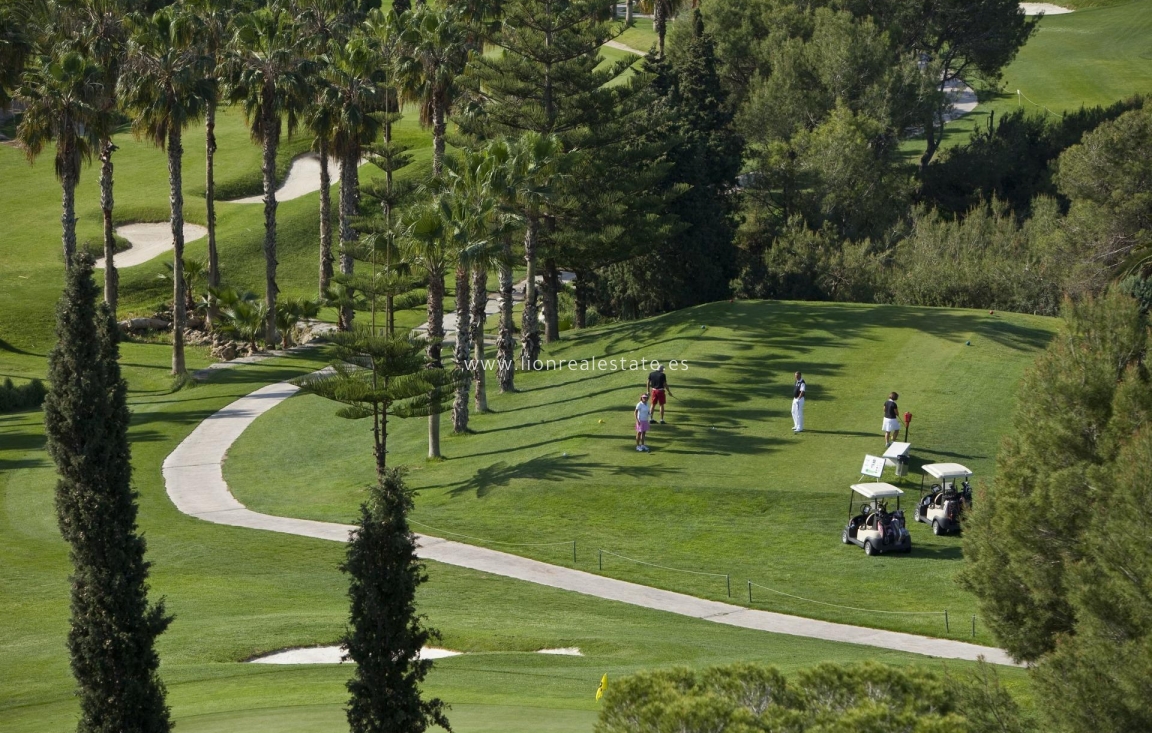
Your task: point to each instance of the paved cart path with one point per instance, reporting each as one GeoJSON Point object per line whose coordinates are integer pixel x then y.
{"type": "Point", "coordinates": [195, 482]}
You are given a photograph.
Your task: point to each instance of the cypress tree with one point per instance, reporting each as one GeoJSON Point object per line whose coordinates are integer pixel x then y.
{"type": "Point", "coordinates": [113, 626]}
{"type": "Point", "coordinates": [385, 634]}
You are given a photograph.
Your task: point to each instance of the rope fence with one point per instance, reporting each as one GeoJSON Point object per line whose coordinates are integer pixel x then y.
{"type": "Point", "coordinates": [726, 576]}
{"type": "Point", "coordinates": [1020, 94]}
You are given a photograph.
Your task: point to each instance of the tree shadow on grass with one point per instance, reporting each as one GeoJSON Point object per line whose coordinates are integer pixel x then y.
{"type": "Point", "coordinates": [5, 346]}
{"type": "Point", "coordinates": [19, 463]}
{"type": "Point", "coordinates": [954, 552]}
{"type": "Point", "coordinates": [550, 467]}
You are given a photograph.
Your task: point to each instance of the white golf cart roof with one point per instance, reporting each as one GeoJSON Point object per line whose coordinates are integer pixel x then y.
{"type": "Point", "coordinates": [946, 470]}
{"type": "Point", "coordinates": [879, 490]}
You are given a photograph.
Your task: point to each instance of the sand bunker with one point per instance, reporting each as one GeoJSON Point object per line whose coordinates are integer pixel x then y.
{"type": "Point", "coordinates": [1046, 8]}
{"type": "Point", "coordinates": [332, 655]}
{"type": "Point", "coordinates": [149, 241]}
{"type": "Point", "coordinates": [303, 178]}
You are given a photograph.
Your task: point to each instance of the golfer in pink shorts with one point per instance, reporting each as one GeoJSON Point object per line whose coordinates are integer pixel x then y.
{"type": "Point", "coordinates": [643, 416]}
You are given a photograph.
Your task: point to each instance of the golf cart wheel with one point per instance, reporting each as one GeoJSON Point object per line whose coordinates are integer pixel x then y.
{"type": "Point", "coordinates": [868, 549]}
{"type": "Point", "coordinates": [844, 537]}
{"type": "Point", "coordinates": [936, 528]}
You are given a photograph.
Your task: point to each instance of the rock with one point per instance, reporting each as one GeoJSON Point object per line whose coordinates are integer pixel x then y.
{"type": "Point", "coordinates": [224, 352]}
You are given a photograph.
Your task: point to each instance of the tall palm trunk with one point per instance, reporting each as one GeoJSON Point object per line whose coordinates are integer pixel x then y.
{"type": "Point", "coordinates": [349, 188]}
{"type": "Point", "coordinates": [551, 302]}
{"type": "Point", "coordinates": [627, 11]}
{"type": "Point", "coordinates": [69, 177]}
{"type": "Point", "coordinates": [270, 141]}
{"type": "Point", "coordinates": [439, 130]}
{"type": "Point", "coordinates": [176, 199]}
{"type": "Point", "coordinates": [529, 327]}
{"type": "Point", "coordinates": [462, 350]}
{"type": "Point", "coordinates": [435, 337]}
{"type": "Point", "coordinates": [210, 205]}
{"type": "Point", "coordinates": [479, 316]}
{"type": "Point", "coordinates": [111, 276]}
{"type": "Point", "coordinates": [505, 344]}
{"type": "Point", "coordinates": [325, 219]}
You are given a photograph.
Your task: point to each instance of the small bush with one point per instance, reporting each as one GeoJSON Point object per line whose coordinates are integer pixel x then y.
{"type": "Point", "coordinates": [27, 396]}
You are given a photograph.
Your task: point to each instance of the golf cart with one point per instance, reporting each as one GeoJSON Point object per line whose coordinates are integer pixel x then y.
{"type": "Point", "coordinates": [875, 528]}
{"type": "Point", "coordinates": [943, 504]}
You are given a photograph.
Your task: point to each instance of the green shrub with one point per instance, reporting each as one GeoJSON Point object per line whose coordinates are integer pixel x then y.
{"type": "Point", "coordinates": [27, 396]}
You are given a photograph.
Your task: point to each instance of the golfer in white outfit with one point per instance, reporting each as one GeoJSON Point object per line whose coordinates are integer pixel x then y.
{"type": "Point", "coordinates": [798, 404]}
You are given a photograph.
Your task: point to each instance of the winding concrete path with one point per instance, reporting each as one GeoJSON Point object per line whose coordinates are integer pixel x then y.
{"type": "Point", "coordinates": [195, 482]}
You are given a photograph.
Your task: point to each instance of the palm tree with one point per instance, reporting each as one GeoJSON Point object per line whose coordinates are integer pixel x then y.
{"type": "Point", "coordinates": [165, 88]}
{"type": "Point", "coordinates": [62, 99]}
{"type": "Point", "coordinates": [428, 246]}
{"type": "Point", "coordinates": [470, 207]}
{"type": "Point", "coordinates": [320, 22]}
{"type": "Point", "coordinates": [534, 162]}
{"type": "Point", "coordinates": [100, 33]}
{"type": "Point", "coordinates": [268, 75]}
{"type": "Point", "coordinates": [211, 36]}
{"type": "Point", "coordinates": [437, 43]}
{"type": "Point", "coordinates": [353, 93]}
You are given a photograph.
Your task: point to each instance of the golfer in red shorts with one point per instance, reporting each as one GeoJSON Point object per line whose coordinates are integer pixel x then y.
{"type": "Point", "coordinates": [658, 386]}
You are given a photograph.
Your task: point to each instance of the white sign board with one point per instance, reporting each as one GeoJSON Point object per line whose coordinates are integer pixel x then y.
{"type": "Point", "coordinates": [873, 466]}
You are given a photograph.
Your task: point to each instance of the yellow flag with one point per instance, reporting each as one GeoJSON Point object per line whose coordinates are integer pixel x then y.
{"type": "Point", "coordinates": [603, 687]}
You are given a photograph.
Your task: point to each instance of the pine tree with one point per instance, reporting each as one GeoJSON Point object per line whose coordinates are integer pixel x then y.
{"type": "Point", "coordinates": [697, 262]}
{"type": "Point", "coordinates": [385, 635]}
{"type": "Point", "coordinates": [113, 626]}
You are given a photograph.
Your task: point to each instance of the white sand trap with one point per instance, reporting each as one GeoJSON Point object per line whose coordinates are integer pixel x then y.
{"type": "Point", "coordinates": [332, 655]}
{"type": "Point", "coordinates": [303, 178]}
{"type": "Point", "coordinates": [566, 651]}
{"type": "Point", "coordinates": [149, 241]}
{"type": "Point", "coordinates": [1046, 8]}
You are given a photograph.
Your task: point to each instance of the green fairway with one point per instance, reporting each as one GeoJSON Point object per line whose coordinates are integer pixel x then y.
{"type": "Point", "coordinates": [728, 488]}
{"type": "Point", "coordinates": [1097, 55]}
{"type": "Point", "coordinates": [238, 593]}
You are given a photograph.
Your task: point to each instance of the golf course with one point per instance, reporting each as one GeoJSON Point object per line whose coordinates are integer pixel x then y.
{"type": "Point", "coordinates": [730, 505]}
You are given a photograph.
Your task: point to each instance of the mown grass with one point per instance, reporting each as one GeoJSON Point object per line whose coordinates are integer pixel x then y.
{"type": "Point", "coordinates": [727, 488]}
{"type": "Point", "coordinates": [237, 593]}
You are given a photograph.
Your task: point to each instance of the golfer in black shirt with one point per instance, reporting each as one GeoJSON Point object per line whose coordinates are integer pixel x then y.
{"type": "Point", "coordinates": [891, 419]}
{"type": "Point", "coordinates": [658, 386]}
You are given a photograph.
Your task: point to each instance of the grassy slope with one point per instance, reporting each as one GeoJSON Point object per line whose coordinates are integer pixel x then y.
{"type": "Point", "coordinates": [728, 488]}
{"type": "Point", "coordinates": [237, 593]}
{"type": "Point", "coordinates": [1094, 56]}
